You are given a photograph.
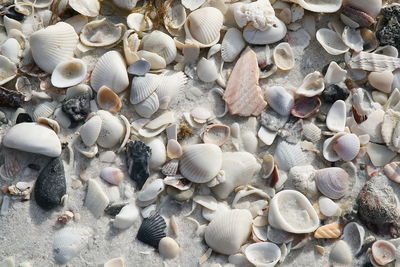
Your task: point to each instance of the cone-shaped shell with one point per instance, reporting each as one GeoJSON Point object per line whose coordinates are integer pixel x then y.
{"type": "Point", "coordinates": [143, 86]}
{"type": "Point", "coordinates": [332, 182]}
{"type": "Point", "coordinates": [161, 44]}
{"type": "Point", "coordinates": [201, 162]}
{"type": "Point", "coordinates": [69, 73]}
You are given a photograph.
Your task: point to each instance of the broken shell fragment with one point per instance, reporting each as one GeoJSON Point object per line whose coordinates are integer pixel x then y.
{"type": "Point", "coordinates": [306, 107]}
{"type": "Point", "coordinates": [331, 42]}
{"type": "Point", "coordinates": [312, 85]}
{"type": "Point", "coordinates": [381, 81]}
{"type": "Point", "coordinates": [101, 33]}
{"type": "Point", "coordinates": [126, 217]}
{"type": "Point", "coordinates": [216, 134]}
{"type": "Point", "coordinates": [232, 45]}
{"type": "Point", "coordinates": [283, 56]}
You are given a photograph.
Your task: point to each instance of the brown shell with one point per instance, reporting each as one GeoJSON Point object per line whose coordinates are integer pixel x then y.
{"type": "Point", "coordinates": [108, 100]}
{"type": "Point", "coordinates": [332, 230]}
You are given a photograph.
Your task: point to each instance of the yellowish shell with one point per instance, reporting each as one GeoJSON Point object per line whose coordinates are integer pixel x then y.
{"type": "Point", "coordinates": [332, 230]}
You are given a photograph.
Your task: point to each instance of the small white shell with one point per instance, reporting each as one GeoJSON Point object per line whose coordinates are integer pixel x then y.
{"type": "Point", "coordinates": [138, 22]}
{"type": "Point", "coordinates": [69, 73]}
{"type": "Point", "coordinates": [383, 252]}
{"type": "Point", "coordinates": [254, 36]}
{"type": "Point", "coordinates": [347, 146]}
{"type": "Point", "coordinates": [312, 85]}
{"type": "Point", "coordinates": [283, 56]}
{"type": "Point", "coordinates": [148, 107]}
{"type": "Point", "coordinates": [68, 243]}
{"type": "Point", "coordinates": [158, 153]}
{"type": "Point", "coordinates": [88, 8]}
{"type": "Point", "coordinates": [353, 39]}
{"type": "Point", "coordinates": [381, 81]}
{"type": "Point", "coordinates": [341, 253]}
{"type": "Point", "coordinates": [331, 42]}
{"type": "Point", "coordinates": [151, 191]}
{"type": "Point", "coordinates": [289, 155]}
{"type": "Point", "coordinates": [168, 248]}
{"type": "Point", "coordinates": [116, 262]}
{"type": "Point", "coordinates": [112, 130]}
{"type": "Point", "coordinates": [216, 134]}
{"type": "Point", "coordinates": [174, 149]}
{"type": "Point", "coordinates": [96, 199]}
{"type": "Point", "coordinates": [8, 70]}
{"type": "Point", "coordinates": [11, 49]}
{"type": "Point", "coordinates": [336, 118]}
{"type": "Point", "coordinates": [232, 45]}
{"type": "Point", "coordinates": [112, 175]}
{"type": "Point", "coordinates": [207, 70]}
{"type": "Point", "coordinates": [328, 207]}
{"type": "Point", "coordinates": [335, 74]}
{"type": "Point", "coordinates": [263, 254]}
{"type": "Point", "coordinates": [126, 217]}
{"type": "Point", "coordinates": [143, 87]}
{"type": "Point", "coordinates": [279, 99]}
{"type": "Point", "coordinates": [100, 33]}
{"type": "Point", "coordinates": [266, 136]}
{"type": "Point", "coordinates": [311, 132]}
{"type": "Point", "coordinates": [45, 109]}
{"type": "Point", "coordinates": [353, 234]}
{"type": "Point", "coordinates": [161, 44]}
{"type": "Point", "coordinates": [90, 131]}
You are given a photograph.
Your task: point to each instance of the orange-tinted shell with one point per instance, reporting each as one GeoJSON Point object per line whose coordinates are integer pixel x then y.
{"type": "Point", "coordinates": [108, 100]}
{"type": "Point", "coordinates": [332, 230]}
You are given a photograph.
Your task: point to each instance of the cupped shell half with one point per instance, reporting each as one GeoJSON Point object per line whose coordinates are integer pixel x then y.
{"type": "Point", "coordinates": [69, 73]}
{"type": "Point", "coordinates": [100, 33]}
{"type": "Point", "coordinates": [216, 134]}
{"type": "Point", "coordinates": [263, 254]}
{"type": "Point", "coordinates": [112, 130]}
{"type": "Point", "coordinates": [161, 44]}
{"type": "Point", "coordinates": [108, 100]}
{"type": "Point", "coordinates": [88, 8]}
{"type": "Point", "coordinates": [321, 6]}
{"type": "Point", "coordinates": [312, 85]}
{"type": "Point", "coordinates": [331, 42]}
{"type": "Point", "coordinates": [283, 56]}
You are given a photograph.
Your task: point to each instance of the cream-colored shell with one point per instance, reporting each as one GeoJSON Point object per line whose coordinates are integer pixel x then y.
{"type": "Point", "coordinates": [8, 70]}
{"type": "Point", "coordinates": [283, 56]}
{"type": "Point", "coordinates": [116, 262]}
{"type": "Point", "coordinates": [88, 8]}
{"type": "Point", "coordinates": [90, 131]}
{"type": "Point", "coordinates": [254, 36]}
{"type": "Point", "coordinates": [161, 44]}
{"type": "Point", "coordinates": [336, 118]}
{"type": "Point", "coordinates": [263, 254]}
{"type": "Point", "coordinates": [331, 42]}
{"type": "Point", "coordinates": [112, 130]}
{"type": "Point", "coordinates": [156, 61]}
{"type": "Point", "coordinates": [312, 85]}
{"type": "Point", "coordinates": [335, 74]}
{"type": "Point", "coordinates": [373, 62]}
{"type": "Point", "coordinates": [171, 84]}
{"type": "Point", "coordinates": [100, 33]}
{"type": "Point", "coordinates": [69, 73]}
{"type": "Point", "coordinates": [148, 107]}
{"type": "Point", "coordinates": [381, 81]}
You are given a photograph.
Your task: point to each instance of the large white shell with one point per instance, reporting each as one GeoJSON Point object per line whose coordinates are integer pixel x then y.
{"type": "Point", "coordinates": [112, 130]}
{"type": "Point", "coordinates": [228, 231]}
{"type": "Point", "coordinates": [283, 56]}
{"type": "Point", "coordinates": [279, 99]}
{"type": "Point", "coordinates": [291, 211]}
{"type": "Point", "coordinates": [203, 26]}
{"type": "Point", "coordinates": [69, 73]}
{"type": "Point", "coordinates": [100, 33]}
{"type": "Point", "coordinates": [143, 87]}
{"type": "Point", "coordinates": [90, 131]}
{"type": "Point", "coordinates": [331, 42]}
{"type": "Point", "coordinates": [288, 155]}
{"type": "Point", "coordinates": [336, 118]}
{"type": "Point", "coordinates": [263, 254]}
{"type": "Point", "coordinates": [312, 85]}
{"type": "Point", "coordinates": [171, 84]}
{"type": "Point", "coordinates": [254, 36]}
{"type": "Point", "coordinates": [353, 235]}
{"type": "Point", "coordinates": [88, 8]}
{"type": "Point", "coordinates": [68, 242]}
{"type": "Point", "coordinates": [232, 45]}
{"type": "Point", "coordinates": [158, 153]}
{"type": "Point", "coordinates": [207, 70]}
{"type": "Point", "coordinates": [96, 199]}
{"type": "Point", "coordinates": [110, 71]}
{"type": "Point", "coordinates": [321, 6]}
{"type": "Point", "coordinates": [8, 70]}
{"type": "Point", "coordinates": [53, 45]}
{"type": "Point", "coordinates": [148, 107]}
{"type": "Point", "coordinates": [161, 44]}
{"type": "Point", "coordinates": [201, 162]}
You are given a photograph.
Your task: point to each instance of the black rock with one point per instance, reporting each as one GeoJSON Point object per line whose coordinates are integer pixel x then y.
{"type": "Point", "coordinates": [333, 92]}
{"type": "Point", "coordinates": [23, 117]}
{"type": "Point", "coordinates": [50, 186]}
{"type": "Point", "coordinates": [389, 32]}
{"type": "Point", "coordinates": [77, 108]}
{"type": "Point", "coordinates": [152, 230]}
{"type": "Point", "coordinates": [13, 14]}
{"type": "Point", "coordinates": [137, 160]}
{"type": "Point", "coordinates": [10, 98]}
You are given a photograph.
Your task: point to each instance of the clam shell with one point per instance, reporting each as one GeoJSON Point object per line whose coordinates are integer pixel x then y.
{"type": "Point", "coordinates": [228, 231]}
{"type": "Point", "coordinates": [161, 44]}
{"type": "Point", "coordinates": [108, 100]}
{"type": "Point", "coordinates": [272, 35]}
{"type": "Point", "coordinates": [151, 191]}
{"type": "Point", "coordinates": [152, 230]}
{"type": "Point", "coordinates": [158, 155]}
{"type": "Point", "coordinates": [332, 230]}
{"type": "Point", "coordinates": [373, 62]}
{"type": "Point", "coordinates": [88, 8]}
{"type": "Point", "coordinates": [207, 70]}
{"type": "Point", "coordinates": [139, 67]}
{"type": "Point", "coordinates": [353, 39]}
{"type": "Point", "coordinates": [279, 99]}
{"type": "Point", "coordinates": [392, 171]}
{"type": "Point", "coordinates": [138, 22]}
{"type": "Point", "coordinates": [306, 107]}
{"type": "Point", "coordinates": [381, 81]}
{"type": "Point", "coordinates": [131, 43]}
{"type": "Point", "coordinates": [143, 87]}
{"type": "Point", "coordinates": [336, 118]}
{"type": "Point", "coordinates": [335, 74]}
{"type": "Point", "coordinates": [96, 199]}
{"type": "Point", "coordinates": [179, 182]}
{"type": "Point", "coordinates": [168, 248]}
{"type": "Point", "coordinates": [68, 243]}
{"type": "Point", "coordinates": [171, 84]}
{"type": "Point", "coordinates": [331, 42]}
{"type": "Point", "coordinates": [148, 107]}
{"type": "Point", "coordinates": [332, 182]}
{"type": "Point", "coordinates": [327, 207]}
{"type": "Point", "coordinates": [232, 45]}
{"type": "Point", "coordinates": [263, 254]}
{"type": "Point", "coordinates": [69, 73]}
{"type": "Point", "coordinates": [8, 70]}
{"type": "Point", "coordinates": [116, 262]}
{"type": "Point", "coordinates": [347, 146]}
{"type": "Point", "coordinates": [175, 18]}
{"type": "Point", "coordinates": [45, 109]}
{"type": "Point", "coordinates": [110, 71]}
{"type": "Point", "coordinates": [283, 56]}
{"type": "Point", "coordinates": [312, 85]}
{"type": "Point", "coordinates": [112, 130]}
{"type": "Point", "coordinates": [100, 33]}
{"type": "Point", "coordinates": [11, 49]}
{"type": "Point", "coordinates": [379, 155]}
{"type": "Point", "coordinates": [353, 235]}
{"type": "Point", "coordinates": [383, 252]}
{"type": "Point", "coordinates": [53, 45]}
{"type": "Point", "coordinates": [112, 175]}
{"type": "Point", "coordinates": [216, 134]}
{"type": "Point", "coordinates": [201, 162]}
{"type": "Point", "coordinates": [90, 131]}
{"type": "Point", "coordinates": [288, 155]}
{"type": "Point", "coordinates": [291, 211]}
{"type": "Point", "coordinates": [341, 253]}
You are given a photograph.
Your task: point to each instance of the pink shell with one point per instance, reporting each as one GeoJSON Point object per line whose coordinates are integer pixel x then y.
{"type": "Point", "coordinates": [306, 107]}
{"type": "Point", "coordinates": [332, 182]}
{"type": "Point", "coordinates": [347, 146]}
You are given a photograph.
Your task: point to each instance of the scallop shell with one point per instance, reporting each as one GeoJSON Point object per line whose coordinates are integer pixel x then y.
{"type": "Point", "coordinates": [331, 42]}
{"type": "Point", "coordinates": [53, 45]}
{"type": "Point", "coordinates": [216, 134]}
{"type": "Point", "coordinates": [332, 182]}
{"type": "Point", "coordinates": [336, 118]}
{"type": "Point", "coordinates": [151, 191]}
{"type": "Point", "coordinates": [143, 87]}
{"type": "Point", "coordinates": [332, 230]}
{"type": "Point", "coordinates": [161, 44]}
{"type": "Point", "coordinates": [228, 231]}
{"type": "Point", "coordinates": [373, 62]}
{"type": "Point", "coordinates": [108, 100]}
{"type": "Point", "coordinates": [335, 74]}
{"type": "Point", "coordinates": [45, 109]}
{"type": "Point", "coordinates": [383, 252]}
{"type": "Point", "coordinates": [311, 132]}
{"type": "Point", "coordinates": [392, 171]}
{"type": "Point", "coordinates": [68, 243]}
{"type": "Point", "coordinates": [100, 33]}
{"type": "Point", "coordinates": [152, 230]}
{"type": "Point", "coordinates": [263, 254]}
{"type": "Point", "coordinates": [353, 39]}
{"type": "Point", "coordinates": [283, 56]}
{"type": "Point", "coordinates": [232, 45]}
{"type": "Point", "coordinates": [126, 4]}
{"type": "Point", "coordinates": [291, 211]}
{"type": "Point", "coordinates": [148, 107]}
{"type": "Point", "coordinates": [112, 130]}
{"type": "Point", "coordinates": [353, 235]}
{"type": "Point", "coordinates": [347, 146]}
{"type": "Point", "coordinates": [203, 26]}
{"type": "Point", "coordinates": [288, 155]}
{"type": "Point", "coordinates": [327, 207]}
{"type": "Point", "coordinates": [207, 70]}
{"type": "Point", "coordinates": [139, 67]}
{"type": "Point", "coordinates": [312, 85]}
{"type": "Point", "coordinates": [201, 162]}
{"type": "Point", "coordinates": [90, 131]}
{"type": "Point", "coordinates": [69, 73]}
{"type": "Point", "coordinates": [279, 99]}
{"type": "Point", "coordinates": [192, 4]}
{"type": "Point", "coordinates": [88, 8]}
{"type": "Point", "coordinates": [382, 81]}
{"type": "Point", "coordinates": [8, 70]}
{"type": "Point", "coordinates": [96, 199]}
{"type": "Point", "coordinates": [341, 253]}
{"type": "Point", "coordinates": [325, 6]}
{"type": "Point", "coordinates": [171, 84]}
{"type": "Point", "coordinates": [272, 35]}
{"type": "Point", "coordinates": [112, 175]}
{"type": "Point", "coordinates": [110, 71]}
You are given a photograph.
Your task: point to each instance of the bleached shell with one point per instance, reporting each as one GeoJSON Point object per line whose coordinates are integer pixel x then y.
{"type": "Point", "coordinates": [372, 126]}
{"type": "Point", "coordinates": [206, 201]}
{"type": "Point", "coordinates": [331, 230]}
{"type": "Point", "coordinates": [311, 132]}
{"type": "Point", "coordinates": [8, 70]}
{"type": "Point", "coordinates": [201, 162]}
{"type": "Point", "coordinates": [69, 73]}
{"type": "Point", "coordinates": [138, 22]}
{"type": "Point", "coordinates": [312, 85]}
{"type": "Point", "coordinates": [392, 171]}
{"type": "Point", "coordinates": [353, 39]}
{"type": "Point", "coordinates": [347, 146]}
{"type": "Point", "coordinates": [258, 13]}
{"type": "Point", "coordinates": [151, 191]}
{"type": "Point", "coordinates": [88, 8]}
{"type": "Point", "coordinates": [207, 70]}
{"type": "Point", "coordinates": [148, 107]}
{"type": "Point", "coordinates": [131, 43]}
{"type": "Point", "coordinates": [371, 7]}
{"type": "Point", "coordinates": [50, 123]}
{"type": "Point", "coordinates": [353, 235]}
{"type": "Point", "coordinates": [127, 132]}
{"type": "Point", "coordinates": [175, 18]}
{"type": "Point", "coordinates": [177, 181]}
{"type": "Point", "coordinates": [254, 36]}
{"type": "Point", "coordinates": [112, 130]}
{"type": "Point", "coordinates": [108, 100]}
{"type": "Point", "coordinates": [393, 101]}
{"type": "Point", "coordinates": [11, 49]}
{"type": "Point", "coordinates": [266, 135]}
{"type": "Point", "coordinates": [325, 6]}
{"type": "Point", "coordinates": [387, 50]}
{"type": "Point", "coordinates": [174, 149]}
{"type": "Point", "coordinates": [156, 61]}
{"type": "Point", "coordinates": [328, 207]}
{"type": "Point", "coordinates": [126, 4]}
{"type": "Point", "coordinates": [158, 153]}
{"type": "Point", "coordinates": [161, 44]}
{"type": "Point", "coordinates": [381, 81]}
{"type": "Point", "coordinates": [192, 4]}
{"type": "Point", "coordinates": [203, 26]}
{"type": "Point", "coordinates": [100, 33]}
{"type": "Point", "coordinates": [288, 155]}
{"type": "Point", "coordinates": [45, 109]}
{"type": "Point", "coordinates": [283, 56]}
{"type": "Point", "coordinates": [78, 22]}
{"type": "Point", "coordinates": [291, 211]}
{"type": "Point", "coordinates": [42, 140]}
{"type": "Point", "coordinates": [53, 45]}
{"type": "Point", "coordinates": [69, 241]}
{"type": "Point", "coordinates": [216, 134]}
{"type": "Point", "coordinates": [279, 99]}
{"type": "Point", "coordinates": [143, 87]}
{"type": "Point", "coordinates": [373, 62]}
{"type": "Point", "coordinates": [341, 253]}
{"type": "Point", "coordinates": [89, 152]}
{"type": "Point", "coordinates": [331, 42]}
{"type": "Point", "coordinates": [90, 131]}
{"type": "Point", "coordinates": [379, 155]}
{"type": "Point", "coordinates": [332, 182]}
{"type": "Point", "coordinates": [200, 114]}
{"type": "Point", "coordinates": [116, 262]}
{"type": "Point", "coordinates": [112, 175]}
{"type": "Point", "coordinates": [263, 254]}
{"type": "Point", "coordinates": [139, 67]}
{"type": "Point", "coordinates": [336, 118]}
{"type": "Point", "coordinates": [232, 45]}
{"type": "Point", "coordinates": [335, 74]}
{"type": "Point", "coordinates": [379, 97]}
{"type": "Point", "coordinates": [228, 231]}
{"type": "Point", "coordinates": [171, 84]}
{"type": "Point", "coordinates": [383, 252]}
{"type": "Point", "coordinates": [168, 248]}
{"type": "Point", "coordinates": [162, 120]}
{"type": "Point", "coordinates": [110, 71]}
{"type": "Point", "coordinates": [96, 199]}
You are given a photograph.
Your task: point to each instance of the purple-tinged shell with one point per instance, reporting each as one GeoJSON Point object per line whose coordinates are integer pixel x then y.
{"type": "Point", "coordinates": [358, 16]}
{"type": "Point", "coordinates": [306, 107]}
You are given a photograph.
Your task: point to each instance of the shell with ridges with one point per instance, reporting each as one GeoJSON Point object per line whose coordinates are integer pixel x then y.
{"type": "Point", "coordinates": [88, 8]}
{"type": "Point", "coordinates": [288, 155]}
{"type": "Point", "coordinates": [373, 62]}
{"type": "Point", "coordinates": [152, 230]}
{"type": "Point", "coordinates": [161, 44]}
{"type": "Point", "coordinates": [332, 182]}
{"type": "Point", "coordinates": [45, 109]}
{"type": "Point", "coordinates": [143, 87]}
{"type": "Point", "coordinates": [232, 45]}
{"type": "Point", "coordinates": [332, 230]}
{"type": "Point", "coordinates": [148, 107]}
{"type": "Point", "coordinates": [171, 84]}
{"type": "Point", "coordinates": [392, 171]}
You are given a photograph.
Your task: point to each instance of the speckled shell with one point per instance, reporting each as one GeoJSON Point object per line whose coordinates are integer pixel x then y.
{"type": "Point", "coordinates": [332, 182]}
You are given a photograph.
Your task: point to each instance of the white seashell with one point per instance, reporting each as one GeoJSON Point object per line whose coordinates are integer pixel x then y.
{"type": "Point", "coordinates": [112, 130]}
{"type": "Point", "coordinates": [208, 202]}
{"type": "Point", "coordinates": [90, 131]}
{"type": "Point", "coordinates": [331, 42]}
{"type": "Point", "coordinates": [353, 235]}
{"type": "Point", "coordinates": [387, 50]}
{"type": "Point", "coordinates": [192, 4]}
{"type": "Point", "coordinates": [131, 43]}
{"type": "Point", "coordinates": [289, 155]}
{"type": "Point", "coordinates": [328, 152]}
{"type": "Point", "coordinates": [379, 155]}
{"type": "Point", "coordinates": [126, 217]}
{"type": "Point", "coordinates": [69, 73]}
{"type": "Point", "coordinates": [175, 18]}
{"type": "Point", "coordinates": [96, 199]}
{"type": "Point", "coordinates": [266, 136]}
{"type": "Point", "coordinates": [203, 26]}
{"type": "Point", "coordinates": [353, 39]}
{"type": "Point", "coordinates": [325, 6]}
{"type": "Point", "coordinates": [327, 207]}
{"type": "Point", "coordinates": [158, 153]}
{"type": "Point", "coordinates": [45, 109]}
{"type": "Point", "coordinates": [336, 118]}
{"type": "Point", "coordinates": [161, 44]}
{"type": "Point", "coordinates": [383, 252]}
{"type": "Point", "coordinates": [53, 45]}
{"type": "Point", "coordinates": [381, 81]}
{"type": "Point", "coordinates": [332, 182]}
{"type": "Point", "coordinates": [112, 175]}
{"type": "Point", "coordinates": [200, 114]}
{"type": "Point", "coordinates": [201, 162]}
{"type": "Point", "coordinates": [372, 126]}
{"type": "Point", "coordinates": [207, 70]}
{"type": "Point", "coordinates": [263, 254]}
{"type": "Point", "coordinates": [88, 8]}
{"type": "Point", "coordinates": [393, 101]}
{"type": "Point", "coordinates": [216, 134]}
{"type": "Point", "coordinates": [168, 248]}
{"type": "Point", "coordinates": [68, 243]}
{"type": "Point", "coordinates": [311, 132]}
{"type": "Point", "coordinates": [312, 85]}
{"type": "Point", "coordinates": [139, 67]}
{"type": "Point", "coordinates": [161, 121]}
{"type": "Point", "coordinates": [232, 45]}
{"type": "Point", "coordinates": [116, 262]}
{"type": "Point", "coordinates": [174, 149]}
{"type": "Point", "coordinates": [279, 99]}
{"type": "Point", "coordinates": [110, 71]}
{"type": "Point", "coordinates": [341, 253]}
{"type": "Point", "coordinates": [62, 118]}
{"type": "Point", "coordinates": [228, 231]}
{"type": "Point", "coordinates": [379, 97]}
{"type": "Point", "coordinates": [347, 146]}
{"type": "Point", "coordinates": [151, 191]}
{"type": "Point", "coordinates": [11, 49]}
{"type": "Point", "coordinates": [138, 22]}
{"type": "Point", "coordinates": [373, 62]}
{"type": "Point", "coordinates": [392, 171]}
{"type": "Point", "coordinates": [291, 211]}
{"type": "Point", "coordinates": [283, 56]}
{"type": "Point", "coordinates": [100, 33]}
{"type": "Point", "coordinates": [335, 74]}
{"type": "Point", "coordinates": [143, 87]}
{"type": "Point", "coordinates": [148, 107]}
{"type": "Point", "coordinates": [254, 36]}
{"type": "Point", "coordinates": [78, 22]}
{"type": "Point", "coordinates": [171, 84]}
{"type": "Point", "coordinates": [156, 62]}
{"type": "Point", "coordinates": [89, 152]}
{"type": "Point", "coordinates": [126, 4]}
{"type": "Point", "coordinates": [8, 70]}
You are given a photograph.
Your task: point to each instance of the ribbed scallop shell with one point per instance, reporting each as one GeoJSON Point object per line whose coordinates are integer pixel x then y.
{"type": "Point", "coordinates": [289, 155]}
{"type": "Point", "coordinates": [170, 168]}
{"type": "Point", "coordinates": [90, 131]}
{"type": "Point", "coordinates": [311, 132]}
{"type": "Point", "coordinates": [45, 109]}
{"type": "Point", "coordinates": [152, 230]}
{"type": "Point", "coordinates": [110, 71]}
{"type": "Point", "coordinates": [373, 62]}
{"type": "Point", "coordinates": [68, 243]}
{"type": "Point", "coordinates": [88, 8]}
{"type": "Point", "coordinates": [332, 230]}
{"type": "Point", "coordinates": [207, 70]}
{"type": "Point", "coordinates": [69, 73]}
{"type": "Point", "coordinates": [192, 4]}
{"type": "Point", "coordinates": [100, 33]}
{"type": "Point", "coordinates": [203, 26]}
{"type": "Point", "coordinates": [8, 70]}
{"type": "Point", "coordinates": [53, 45]}
{"type": "Point", "coordinates": [143, 87]}
{"type": "Point", "coordinates": [332, 182]}
{"type": "Point", "coordinates": [112, 130]}
{"type": "Point", "coordinates": [347, 146]}
{"type": "Point", "coordinates": [171, 84]}
{"type": "Point", "coordinates": [200, 163]}
{"type": "Point", "coordinates": [108, 100]}
{"type": "Point", "coordinates": [279, 99]}
{"type": "Point", "coordinates": [232, 45]}
{"type": "Point", "coordinates": [161, 44]}
{"type": "Point", "coordinates": [148, 107]}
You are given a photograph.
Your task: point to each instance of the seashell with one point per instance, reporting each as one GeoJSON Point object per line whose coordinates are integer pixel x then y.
{"type": "Point", "coordinates": [387, 50]}
{"type": "Point", "coordinates": [371, 7]}
{"type": "Point", "coordinates": [45, 109]}
{"type": "Point", "coordinates": [257, 13]}
{"type": "Point", "coordinates": [192, 4]}
{"type": "Point", "coordinates": [353, 235]}
{"type": "Point", "coordinates": [100, 33]}
{"type": "Point", "coordinates": [341, 253]}
{"type": "Point", "coordinates": [161, 44]}
{"type": "Point", "coordinates": [152, 230]}
{"type": "Point", "coordinates": [353, 39]}
{"type": "Point", "coordinates": [207, 202]}
{"type": "Point", "coordinates": [171, 84]}
{"type": "Point", "coordinates": [168, 248]}
{"type": "Point", "coordinates": [283, 56]}
{"type": "Point", "coordinates": [320, 6]}
{"type": "Point", "coordinates": [179, 182]}
{"type": "Point", "coordinates": [131, 43]}
{"type": "Point", "coordinates": [162, 120]}
{"type": "Point", "coordinates": [243, 95]}
{"type": "Point", "coordinates": [151, 191]}
{"type": "Point", "coordinates": [232, 45]}
{"type": "Point", "coordinates": [373, 62]}
{"type": "Point", "coordinates": [381, 81]}
{"type": "Point", "coordinates": [379, 155]}
{"type": "Point", "coordinates": [306, 107]}
{"type": "Point", "coordinates": [174, 149]}
{"type": "Point", "coordinates": [372, 126]}
{"type": "Point", "coordinates": [327, 207]}
{"type": "Point", "coordinates": [228, 231]}
{"type": "Point", "coordinates": [88, 8]}
{"type": "Point", "coordinates": [53, 45]}
{"type": "Point", "coordinates": [11, 49]}
{"type": "Point", "coordinates": [116, 262]}
{"type": "Point", "coordinates": [347, 146]}
{"type": "Point", "coordinates": [158, 155]}
{"type": "Point", "coordinates": [125, 4]}
{"type": "Point", "coordinates": [383, 252]}
{"type": "Point", "coordinates": [203, 26]}
{"type": "Point", "coordinates": [272, 35]}
{"type": "Point", "coordinates": [263, 254]}
{"type": "Point", "coordinates": [392, 171]}
{"type": "Point", "coordinates": [78, 22]}
{"type": "Point", "coordinates": [279, 99]}
{"type": "Point", "coordinates": [89, 152]}
{"type": "Point", "coordinates": [96, 200]}
{"type": "Point", "coordinates": [112, 175]}
{"type": "Point", "coordinates": [175, 18]}
{"type": "Point", "coordinates": [336, 118]}
{"type": "Point", "coordinates": [216, 134]}
{"type": "Point", "coordinates": [379, 97]}
{"type": "Point", "coordinates": [126, 217]}
{"type": "Point", "coordinates": [331, 42]}
{"type": "Point", "coordinates": [143, 87]}
{"type": "Point", "coordinates": [50, 123]}
{"type": "Point", "coordinates": [200, 114]}
{"type": "Point", "coordinates": [291, 211]}
{"type": "Point", "coordinates": [90, 131]}
{"type": "Point", "coordinates": [108, 100]}
{"type": "Point", "coordinates": [148, 107]}
{"type": "Point", "coordinates": [112, 130]}
{"type": "Point", "coordinates": [207, 70]}
{"type": "Point", "coordinates": [139, 67]}
{"type": "Point", "coordinates": [170, 168]}
{"type": "Point", "coordinates": [69, 73]}
{"type": "Point", "coordinates": [312, 85]}
{"type": "Point", "coordinates": [335, 74]}
{"type": "Point", "coordinates": [8, 70]}
{"type": "Point", "coordinates": [393, 100]}
{"type": "Point", "coordinates": [278, 236]}
{"type": "Point", "coordinates": [311, 132]}
{"type": "Point", "coordinates": [138, 22]}
{"type": "Point", "coordinates": [266, 135]}
{"type": "Point", "coordinates": [332, 230]}
{"type": "Point", "coordinates": [201, 162]}
{"type": "Point", "coordinates": [332, 182]}
{"type": "Point", "coordinates": [68, 243]}
{"type": "Point", "coordinates": [137, 161]}
{"type": "Point", "coordinates": [288, 155]}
